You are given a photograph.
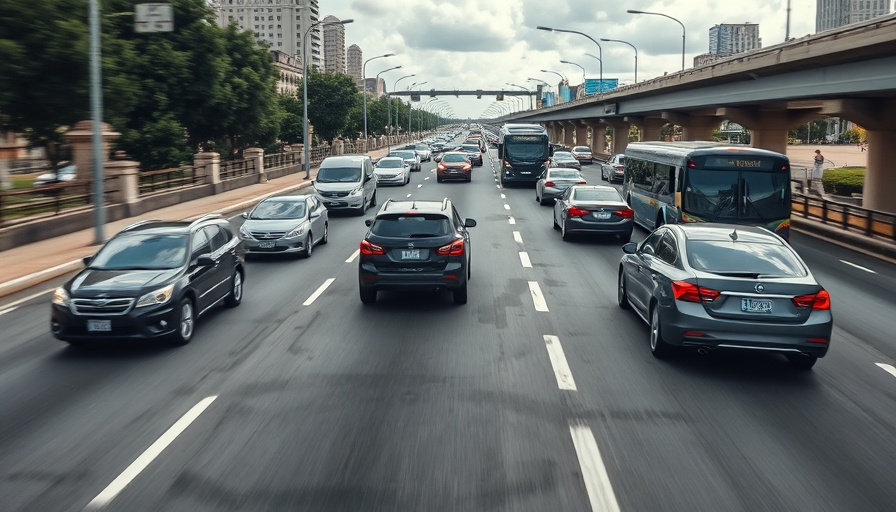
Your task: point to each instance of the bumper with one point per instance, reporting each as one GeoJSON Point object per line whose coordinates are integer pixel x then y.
{"type": "Point", "coordinates": [617, 176]}
{"type": "Point", "coordinates": [342, 203]}
{"type": "Point", "coordinates": [281, 246]}
{"type": "Point", "coordinates": [552, 193]}
{"type": "Point", "coordinates": [520, 177]}
{"type": "Point", "coordinates": [586, 160]}
{"type": "Point", "coordinates": [681, 317]}
{"type": "Point", "coordinates": [155, 322]}
{"type": "Point", "coordinates": [610, 227]}
{"type": "Point", "coordinates": [454, 276]}
{"type": "Point", "coordinates": [391, 180]}
{"type": "Point", "coordinates": [458, 174]}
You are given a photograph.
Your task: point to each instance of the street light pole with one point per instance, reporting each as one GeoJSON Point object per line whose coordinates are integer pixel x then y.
{"type": "Point", "coordinates": [525, 89]}
{"type": "Point", "coordinates": [633, 48]}
{"type": "Point", "coordinates": [96, 107]}
{"type": "Point", "coordinates": [683, 32]}
{"type": "Point", "coordinates": [578, 66]}
{"type": "Point", "coordinates": [364, 91]}
{"type": "Point", "coordinates": [600, 50]}
{"type": "Point", "coordinates": [389, 136]}
{"type": "Point", "coordinates": [563, 78]}
{"type": "Point", "coordinates": [305, 132]}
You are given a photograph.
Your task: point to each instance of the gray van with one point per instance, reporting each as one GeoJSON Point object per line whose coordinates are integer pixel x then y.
{"type": "Point", "coordinates": [346, 183]}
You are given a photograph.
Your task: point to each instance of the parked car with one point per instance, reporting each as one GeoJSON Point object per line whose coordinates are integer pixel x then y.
{"type": "Point", "coordinates": [593, 209]}
{"type": "Point", "coordinates": [415, 245]}
{"type": "Point", "coordinates": [613, 169]}
{"type": "Point", "coordinates": [151, 280]}
{"type": "Point", "coordinates": [583, 154]}
{"type": "Point", "coordinates": [410, 156]}
{"type": "Point", "coordinates": [454, 165]}
{"type": "Point", "coordinates": [62, 175]}
{"type": "Point", "coordinates": [725, 286]}
{"type": "Point", "coordinates": [285, 224]}
{"type": "Point", "coordinates": [554, 182]}
{"type": "Point", "coordinates": [346, 183]}
{"type": "Point", "coordinates": [392, 170]}
{"type": "Point", "coordinates": [565, 159]}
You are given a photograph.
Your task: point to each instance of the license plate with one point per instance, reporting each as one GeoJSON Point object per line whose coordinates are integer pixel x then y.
{"type": "Point", "coordinates": [266, 245]}
{"type": "Point", "coordinates": [99, 325]}
{"type": "Point", "coordinates": [601, 215]}
{"type": "Point", "coordinates": [411, 254]}
{"type": "Point", "coordinates": [525, 172]}
{"type": "Point", "coordinates": [756, 306]}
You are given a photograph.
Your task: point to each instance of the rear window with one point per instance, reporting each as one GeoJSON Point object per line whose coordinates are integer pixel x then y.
{"type": "Point", "coordinates": [411, 226]}
{"type": "Point", "coordinates": [722, 257]}
{"type": "Point", "coordinates": [404, 154]}
{"type": "Point", "coordinates": [564, 174]}
{"type": "Point", "coordinates": [472, 148]}
{"type": "Point", "coordinates": [582, 149]}
{"type": "Point", "coordinates": [591, 194]}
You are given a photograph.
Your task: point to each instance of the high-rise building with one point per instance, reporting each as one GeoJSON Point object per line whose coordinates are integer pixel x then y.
{"type": "Point", "coordinates": [280, 24]}
{"type": "Point", "coordinates": [728, 38]}
{"type": "Point", "coordinates": [375, 87]}
{"type": "Point", "coordinates": [353, 62]}
{"type": "Point", "coordinates": [334, 45]}
{"type": "Point", "coordinates": [836, 13]}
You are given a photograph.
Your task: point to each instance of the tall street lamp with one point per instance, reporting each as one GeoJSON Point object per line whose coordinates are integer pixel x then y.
{"type": "Point", "coordinates": [525, 89]}
{"type": "Point", "coordinates": [683, 32]}
{"type": "Point", "coordinates": [364, 88]}
{"type": "Point", "coordinates": [306, 133]}
{"type": "Point", "coordinates": [600, 50]}
{"type": "Point", "coordinates": [578, 66]}
{"type": "Point", "coordinates": [633, 48]}
{"type": "Point", "coordinates": [561, 75]}
{"type": "Point", "coordinates": [394, 87]}
{"type": "Point", "coordinates": [411, 106]}
{"type": "Point", "coordinates": [387, 93]}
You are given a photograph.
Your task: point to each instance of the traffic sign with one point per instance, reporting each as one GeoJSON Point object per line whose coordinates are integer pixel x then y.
{"type": "Point", "coordinates": [152, 18]}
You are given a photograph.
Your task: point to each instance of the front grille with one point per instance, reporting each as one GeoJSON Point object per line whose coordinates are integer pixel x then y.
{"type": "Point", "coordinates": [267, 235]}
{"type": "Point", "coordinates": [101, 306]}
{"type": "Point", "coordinates": [334, 194]}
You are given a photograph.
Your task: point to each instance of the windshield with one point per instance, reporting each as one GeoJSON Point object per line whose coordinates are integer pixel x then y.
{"type": "Point", "coordinates": [422, 147]}
{"type": "Point", "coordinates": [391, 163]}
{"type": "Point", "coordinates": [142, 251]}
{"type": "Point", "coordinates": [715, 195]}
{"type": "Point", "coordinates": [454, 157]}
{"type": "Point", "coordinates": [411, 226]}
{"type": "Point", "coordinates": [526, 151]}
{"type": "Point", "coordinates": [721, 257]}
{"type": "Point", "coordinates": [339, 174]}
{"type": "Point", "coordinates": [278, 209]}
{"type": "Point", "coordinates": [596, 194]}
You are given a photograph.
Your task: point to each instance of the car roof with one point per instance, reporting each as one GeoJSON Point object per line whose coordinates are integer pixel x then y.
{"type": "Point", "coordinates": [296, 197]}
{"type": "Point", "coordinates": [334, 161]}
{"type": "Point", "coordinates": [706, 231]}
{"type": "Point", "coordinates": [398, 158]}
{"type": "Point", "coordinates": [173, 226]}
{"type": "Point", "coordinates": [586, 148]}
{"type": "Point", "coordinates": [416, 205]}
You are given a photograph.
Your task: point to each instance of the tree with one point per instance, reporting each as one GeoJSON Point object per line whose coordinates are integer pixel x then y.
{"type": "Point", "coordinates": [330, 99]}
{"type": "Point", "coordinates": [291, 119]}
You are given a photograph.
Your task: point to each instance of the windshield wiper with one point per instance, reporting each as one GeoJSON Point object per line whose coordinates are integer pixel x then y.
{"type": "Point", "coordinates": [749, 201]}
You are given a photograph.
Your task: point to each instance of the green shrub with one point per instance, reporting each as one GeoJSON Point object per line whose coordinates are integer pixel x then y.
{"type": "Point", "coordinates": [844, 181]}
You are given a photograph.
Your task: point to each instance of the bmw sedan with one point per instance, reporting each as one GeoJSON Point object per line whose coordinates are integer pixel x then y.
{"type": "Point", "coordinates": [554, 182]}
{"type": "Point", "coordinates": [285, 224]}
{"type": "Point", "coordinates": [593, 209]}
{"type": "Point", "coordinates": [719, 286]}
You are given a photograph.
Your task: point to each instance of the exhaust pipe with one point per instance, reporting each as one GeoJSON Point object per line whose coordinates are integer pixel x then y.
{"type": "Point", "coordinates": [704, 350]}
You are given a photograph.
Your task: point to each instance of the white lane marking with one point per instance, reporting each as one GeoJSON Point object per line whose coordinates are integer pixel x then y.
{"type": "Point", "coordinates": [537, 297]}
{"type": "Point", "coordinates": [39, 273]}
{"type": "Point", "coordinates": [108, 494]}
{"type": "Point", "coordinates": [498, 186]}
{"type": "Point", "coordinates": [420, 185]}
{"type": "Point", "coordinates": [524, 259]}
{"type": "Point", "coordinates": [858, 267]}
{"type": "Point", "coordinates": [409, 195]}
{"type": "Point", "coordinates": [506, 206]}
{"type": "Point", "coordinates": [319, 291]}
{"type": "Point", "coordinates": [511, 220]}
{"type": "Point", "coordinates": [517, 237]}
{"type": "Point", "coordinates": [353, 256]}
{"type": "Point", "coordinates": [12, 306]}
{"type": "Point", "coordinates": [887, 368]}
{"type": "Point", "coordinates": [594, 473]}
{"type": "Point", "coordinates": [426, 178]}
{"type": "Point", "coordinates": [503, 196]}
{"type": "Point", "coordinates": [558, 362]}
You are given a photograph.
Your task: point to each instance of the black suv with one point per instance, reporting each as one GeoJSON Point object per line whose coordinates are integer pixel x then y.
{"type": "Point", "coordinates": [151, 280]}
{"type": "Point", "coordinates": [414, 245]}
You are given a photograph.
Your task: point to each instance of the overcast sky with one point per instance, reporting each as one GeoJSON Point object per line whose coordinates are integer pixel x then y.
{"type": "Point", "coordinates": [471, 44]}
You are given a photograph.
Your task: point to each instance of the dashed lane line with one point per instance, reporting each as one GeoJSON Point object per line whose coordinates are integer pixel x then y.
{"type": "Point", "coordinates": [517, 237]}
{"type": "Point", "coordinates": [353, 256]}
{"type": "Point", "coordinates": [127, 476]}
{"type": "Point", "coordinates": [503, 196]}
{"type": "Point", "coordinates": [594, 473]}
{"type": "Point", "coordinates": [420, 185]}
{"type": "Point", "coordinates": [524, 259]}
{"type": "Point", "coordinates": [511, 220]}
{"type": "Point", "coordinates": [537, 297]}
{"type": "Point", "coordinates": [889, 368]}
{"type": "Point", "coordinates": [506, 206]}
{"type": "Point", "coordinates": [317, 293]}
{"type": "Point", "coordinates": [558, 362]}
{"type": "Point", "coordinates": [409, 195]}
{"type": "Point", "coordinates": [858, 267]}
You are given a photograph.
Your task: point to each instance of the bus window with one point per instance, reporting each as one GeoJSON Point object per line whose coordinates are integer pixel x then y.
{"type": "Point", "coordinates": [663, 180]}
{"type": "Point", "coordinates": [642, 174]}
{"type": "Point", "coordinates": [766, 196]}
{"type": "Point", "coordinates": [711, 195]}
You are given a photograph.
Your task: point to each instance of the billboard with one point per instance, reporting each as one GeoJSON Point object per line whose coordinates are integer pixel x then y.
{"type": "Point", "coordinates": [593, 85]}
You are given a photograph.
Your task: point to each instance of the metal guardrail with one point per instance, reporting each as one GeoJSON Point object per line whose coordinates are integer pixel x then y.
{"type": "Point", "coordinates": [848, 217]}
{"type": "Point", "coordinates": [18, 206]}
{"type": "Point", "coordinates": [167, 179]}
{"type": "Point", "coordinates": [319, 153]}
{"type": "Point", "coordinates": [280, 160]}
{"type": "Point", "coordinates": [236, 168]}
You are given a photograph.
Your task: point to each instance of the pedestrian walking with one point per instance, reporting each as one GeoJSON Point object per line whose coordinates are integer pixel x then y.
{"type": "Point", "coordinates": [815, 184]}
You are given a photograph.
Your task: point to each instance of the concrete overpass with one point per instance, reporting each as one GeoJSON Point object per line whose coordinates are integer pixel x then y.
{"type": "Point", "coordinates": [848, 72]}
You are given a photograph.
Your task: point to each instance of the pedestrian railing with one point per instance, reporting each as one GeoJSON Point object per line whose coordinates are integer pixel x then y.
{"type": "Point", "coordinates": [319, 153]}
{"type": "Point", "coordinates": [848, 217]}
{"type": "Point", "coordinates": [167, 179]}
{"type": "Point", "coordinates": [18, 206]}
{"type": "Point", "coordinates": [235, 169]}
{"type": "Point", "coordinates": [280, 160]}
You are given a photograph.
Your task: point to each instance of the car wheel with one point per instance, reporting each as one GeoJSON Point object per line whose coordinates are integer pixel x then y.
{"type": "Point", "coordinates": [566, 236]}
{"type": "Point", "coordinates": [326, 238]}
{"type": "Point", "coordinates": [626, 238]}
{"type": "Point", "coordinates": [439, 179]}
{"type": "Point", "coordinates": [556, 226]}
{"type": "Point", "coordinates": [236, 290]}
{"type": "Point", "coordinates": [460, 294]}
{"type": "Point", "coordinates": [368, 294]}
{"type": "Point", "coordinates": [658, 346]}
{"type": "Point", "coordinates": [186, 322]}
{"type": "Point", "coordinates": [538, 199]}
{"type": "Point", "coordinates": [309, 245]}
{"type": "Point", "coordinates": [801, 361]}
{"type": "Point", "coordinates": [373, 200]}
{"type": "Point", "coordinates": [621, 291]}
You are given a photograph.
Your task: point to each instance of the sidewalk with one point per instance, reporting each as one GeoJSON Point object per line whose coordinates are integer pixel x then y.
{"type": "Point", "coordinates": [35, 263]}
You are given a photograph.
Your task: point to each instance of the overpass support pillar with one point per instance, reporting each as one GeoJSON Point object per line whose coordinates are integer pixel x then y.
{"type": "Point", "coordinates": [581, 134]}
{"type": "Point", "coordinates": [768, 128]}
{"type": "Point", "coordinates": [551, 127]}
{"type": "Point", "coordinates": [568, 131]}
{"type": "Point", "coordinates": [879, 191]}
{"type": "Point", "coordinates": [650, 127]}
{"type": "Point", "coordinates": [598, 143]}
{"type": "Point", "coordinates": [694, 126]}
{"type": "Point", "coordinates": [619, 141]}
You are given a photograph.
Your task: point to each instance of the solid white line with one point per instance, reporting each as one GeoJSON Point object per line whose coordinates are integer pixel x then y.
{"type": "Point", "coordinates": [353, 256]}
{"type": "Point", "coordinates": [319, 291]}
{"type": "Point", "coordinates": [503, 196]}
{"type": "Point", "coordinates": [558, 362]}
{"type": "Point", "coordinates": [887, 368]}
{"type": "Point", "coordinates": [108, 494]}
{"type": "Point", "coordinates": [858, 267]}
{"type": "Point", "coordinates": [511, 220]}
{"type": "Point", "coordinates": [12, 306]}
{"type": "Point", "coordinates": [517, 237]}
{"type": "Point", "coordinates": [537, 297]}
{"type": "Point", "coordinates": [40, 273]}
{"type": "Point", "coordinates": [524, 259]}
{"type": "Point", "coordinates": [594, 473]}
{"type": "Point", "coordinates": [506, 206]}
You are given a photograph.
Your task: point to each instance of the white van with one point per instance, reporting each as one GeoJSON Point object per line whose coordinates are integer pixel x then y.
{"type": "Point", "coordinates": [346, 183]}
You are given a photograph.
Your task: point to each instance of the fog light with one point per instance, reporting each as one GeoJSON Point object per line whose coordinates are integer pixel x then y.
{"type": "Point", "coordinates": [163, 324]}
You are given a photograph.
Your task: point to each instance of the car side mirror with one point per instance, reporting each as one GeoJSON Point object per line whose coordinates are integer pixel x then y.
{"type": "Point", "coordinates": [314, 215]}
{"type": "Point", "coordinates": [205, 261]}
{"type": "Point", "coordinates": [87, 260]}
{"type": "Point", "coordinates": [469, 223]}
{"type": "Point", "coordinates": [244, 215]}
{"type": "Point", "coordinates": [368, 222]}
{"type": "Point", "coordinates": [630, 248]}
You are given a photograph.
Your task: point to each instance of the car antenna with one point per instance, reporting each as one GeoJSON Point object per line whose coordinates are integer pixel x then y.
{"type": "Point", "coordinates": [733, 234]}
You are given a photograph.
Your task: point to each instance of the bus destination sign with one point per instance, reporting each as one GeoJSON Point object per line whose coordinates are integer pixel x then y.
{"type": "Point", "coordinates": [738, 163]}
{"type": "Point", "coordinates": [527, 138]}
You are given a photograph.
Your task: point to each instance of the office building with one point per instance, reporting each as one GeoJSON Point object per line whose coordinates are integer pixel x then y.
{"type": "Point", "coordinates": [290, 72]}
{"type": "Point", "coordinates": [836, 13]}
{"type": "Point", "coordinates": [353, 62]}
{"type": "Point", "coordinates": [334, 46]}
{"type": "Point", "coordinates": [729, 38]}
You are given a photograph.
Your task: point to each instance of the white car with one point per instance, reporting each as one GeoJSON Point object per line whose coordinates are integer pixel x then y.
{"type": "Point", "coordinates": [392, 170]}
{"type": "Point", "coordinates": [62, 175]}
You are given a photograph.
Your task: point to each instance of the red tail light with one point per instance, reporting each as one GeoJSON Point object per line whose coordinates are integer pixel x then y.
{"type": "Point", "coordinates": [455, 248]}
{"type": "Point", "coordinates": [582, 182]}
{"type": "Point", "coordinates": [442, 166]}
{"type": "Point", "coordinates": [620, 168]}
{"type": "Point", "coordinates": [370, 249]}
{"type": "Point", "coordinates": [627, 213]}
{"type": "Point", "coordinates": [572, 211]}
{"type": "Point", "coordinates": [820, 300]}
{"type": "Point", "coordinates": [549, 183]}
{"type": "Point", "coordinates": [689, 292]}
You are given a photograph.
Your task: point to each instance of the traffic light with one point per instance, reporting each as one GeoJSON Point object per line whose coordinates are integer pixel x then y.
{"type": "Point", "coordinates": [478, 94]}
{"type": "Point", "coordinates": [500, 97]}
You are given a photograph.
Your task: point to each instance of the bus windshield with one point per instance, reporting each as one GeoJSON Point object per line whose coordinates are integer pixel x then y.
{"type": "Point", "coordinates": [737, 196]}
{"type": "Point", "coordinates": [536, 150]}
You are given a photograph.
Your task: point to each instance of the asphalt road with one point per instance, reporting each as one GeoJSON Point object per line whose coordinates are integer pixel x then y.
{"type": "Point", "coordinates": [538, 395]}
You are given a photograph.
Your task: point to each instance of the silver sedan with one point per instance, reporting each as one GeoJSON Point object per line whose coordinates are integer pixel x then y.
{"type": "Point", "coordinates": [554, 182]}
{"type": "Point", "coordinates": [285, 224]}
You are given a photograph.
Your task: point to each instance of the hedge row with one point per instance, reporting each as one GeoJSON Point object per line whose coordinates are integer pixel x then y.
{"type": "Point", "coordinates": [844, 181]}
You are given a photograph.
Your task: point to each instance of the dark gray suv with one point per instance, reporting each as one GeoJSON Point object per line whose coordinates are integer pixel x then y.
{"type": "Point", "coordinates": [415, 245]}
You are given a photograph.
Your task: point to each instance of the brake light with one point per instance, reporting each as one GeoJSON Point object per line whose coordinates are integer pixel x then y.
{"type": "Point", "coordinates": [370, 249]}
{"type": "Point", "coordinates": [442, 166]}
{"type": "Point", "coordinates": [689, 292]}
{"type": "Point", "coordinates": [465, 167]}
{"type": "Point", "coordinates": [581, 182]}
{"type": "Point", "coordinates": [455, 248]}
{"type": "Point", "coordinates": [572, 211]}
{"type": "Point", "coordinates": [627, 213]}
{"type": "Point", "coordinates": [820, 300]}
{"type": "Point", "coordinates": [549, 183]}
{"type": "Point", "coordinates": [620, 168]}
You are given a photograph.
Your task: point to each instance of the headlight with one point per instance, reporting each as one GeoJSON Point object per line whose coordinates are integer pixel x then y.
{"type": "Point", "coordinates": [357, 191]}
{"type": "Point", "coordinates": [159, 296]}
{"type": "Point", "coordinates": [244, 233]}
{"type": "Point", "coordinates": [299, 231]}
{"type": "Point", "coordinates": [60, 297]}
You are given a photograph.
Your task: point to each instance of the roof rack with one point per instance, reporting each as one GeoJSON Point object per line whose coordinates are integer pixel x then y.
{"type": "Point", "coordinates": [139, 223]}
{"type": "Point", "coordinates": [207, 216]}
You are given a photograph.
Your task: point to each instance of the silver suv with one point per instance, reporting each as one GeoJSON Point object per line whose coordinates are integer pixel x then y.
{"type": "Point", "coordinates": [346, 183]}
